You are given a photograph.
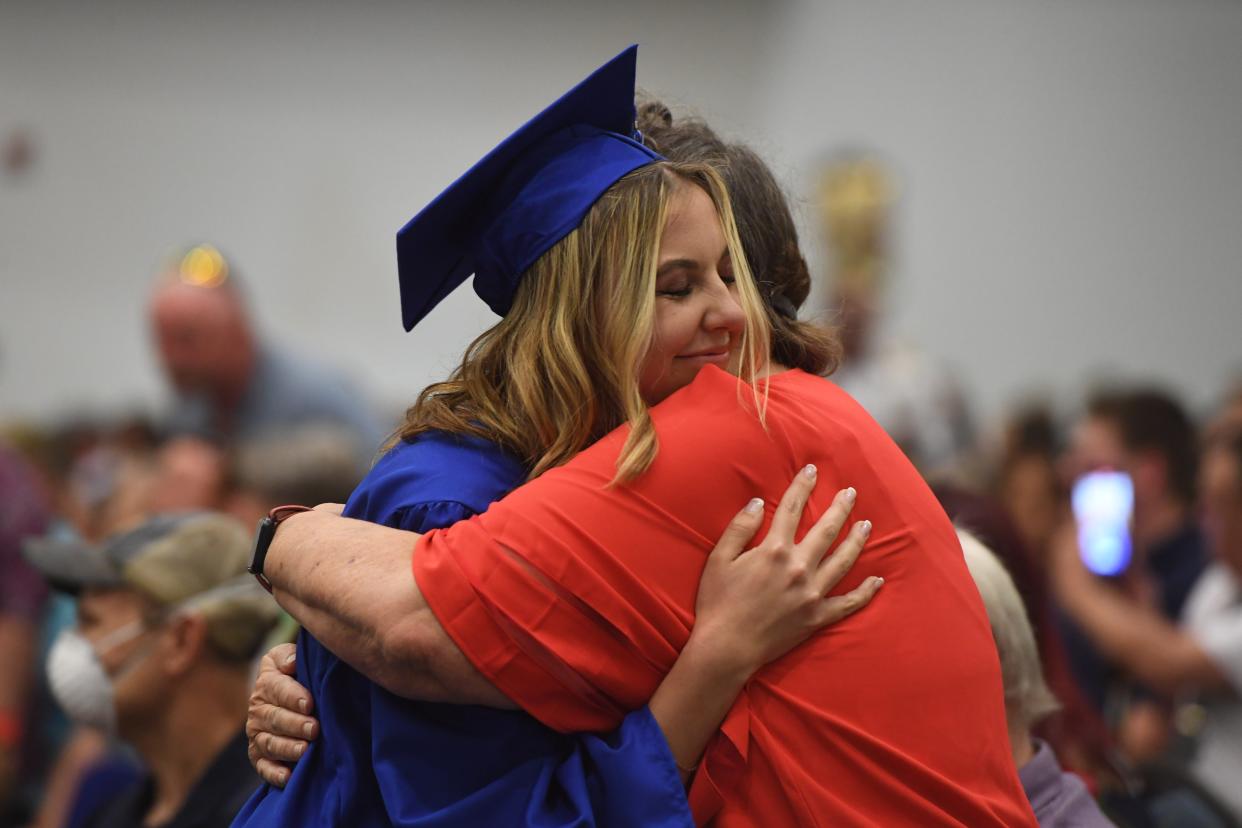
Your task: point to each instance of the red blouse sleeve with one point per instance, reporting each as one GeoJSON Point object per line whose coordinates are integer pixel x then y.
{"type": "Point", "coordinates": [575, 596]}
{"type": "Point", "coordinates": [540, 593]}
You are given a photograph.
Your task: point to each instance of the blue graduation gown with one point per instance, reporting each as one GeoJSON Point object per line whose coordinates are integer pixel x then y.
{"type": "Point", "coordinates": [382, 760]}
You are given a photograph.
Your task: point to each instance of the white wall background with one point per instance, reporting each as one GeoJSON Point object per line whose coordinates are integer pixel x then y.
{"type": "Point", "coordinates": [1071, 171]}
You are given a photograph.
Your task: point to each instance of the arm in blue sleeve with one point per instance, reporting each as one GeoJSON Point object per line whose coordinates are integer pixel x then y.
{"type": "Point", "coordinates": [621, 778]}
{"type": "Point", "coordinates": [631, 774]}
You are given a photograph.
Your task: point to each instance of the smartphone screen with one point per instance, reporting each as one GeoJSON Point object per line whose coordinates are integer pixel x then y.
{"type": "Point", "coordinates": [1103, 505]}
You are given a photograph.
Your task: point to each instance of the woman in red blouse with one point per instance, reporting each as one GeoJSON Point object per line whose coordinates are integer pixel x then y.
{"type": "Point", "coordinates": [574, 595]}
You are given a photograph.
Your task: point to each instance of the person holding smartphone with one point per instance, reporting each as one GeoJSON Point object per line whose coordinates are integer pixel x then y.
{"type": "Point", "coordinates": [1132, 465]}
{"type": "Point", "coordinates": [1201, 655]}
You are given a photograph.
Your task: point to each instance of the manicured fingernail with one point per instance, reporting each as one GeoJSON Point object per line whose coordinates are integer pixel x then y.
{"type": "Point", "coordinates": [849, 494]}
{"type": "Point", "coordinates": [810, 471]}
{"type": "Point", "coordinates": [300, 749]}
{"type": "Point", "coordinates": [308, 730]}
{"type": "Point", "coordinates": [755, 506]}
{"type": "Point", "coordinates": [284, 777]}
{"type": "Point", "coordinates": [302, 705]}
{"type": "Point", "coordinates": [865, 528]}
{"type": "Point", "coordinates": [292, 657]}
{"type": "Point", "coordinates": [878, 581]}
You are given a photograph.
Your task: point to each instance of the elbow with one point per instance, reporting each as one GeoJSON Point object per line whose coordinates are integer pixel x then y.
{"type": "Point", "coordinates": [403, 661]}
{"type": "Point", "coordinates": [400, 653]}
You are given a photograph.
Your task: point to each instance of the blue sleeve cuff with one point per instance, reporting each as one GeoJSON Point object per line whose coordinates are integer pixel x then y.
{"type": "Point", "coordinates": [636, 781]}
{"type": "Point", "coordinates": [428, 515]}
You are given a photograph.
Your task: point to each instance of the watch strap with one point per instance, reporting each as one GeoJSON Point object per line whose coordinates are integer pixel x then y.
{"type": "Point", "coordinates": [264, 537]}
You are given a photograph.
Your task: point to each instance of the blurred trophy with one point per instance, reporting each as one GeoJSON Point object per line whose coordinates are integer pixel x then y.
{"type": "Point", "coordinates": [915, 398]}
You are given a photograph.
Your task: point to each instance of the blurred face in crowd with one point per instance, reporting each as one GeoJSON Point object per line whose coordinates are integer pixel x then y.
{"type": "Point", "coordinates": [202, 336]}
{"type": "Point", "coordinates": [189, 475]}
{"type": "Point", "coordinates": [1228, 420]}
{"type": "Point", "coordinates": [1029, 491]}
{"type": "Point", "coordinates": [130, 663]}
{"type": "Point", "coordinates": [697, 317]}
{"type": "Point", "coordinates": [1220, 480]}
{"type": "Point", "coordinates": [1095, 445]}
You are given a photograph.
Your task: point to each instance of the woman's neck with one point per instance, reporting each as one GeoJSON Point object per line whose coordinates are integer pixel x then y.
{"type": "Point", "coordinates": [772, 369]}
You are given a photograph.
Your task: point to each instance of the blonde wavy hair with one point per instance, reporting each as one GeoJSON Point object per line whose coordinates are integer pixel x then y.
{"type": "Point", "coordinates": [561, 369]}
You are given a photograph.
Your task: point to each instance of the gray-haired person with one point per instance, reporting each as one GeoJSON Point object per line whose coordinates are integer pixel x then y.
{"type": "Point", "coordinates": [1059, 799]}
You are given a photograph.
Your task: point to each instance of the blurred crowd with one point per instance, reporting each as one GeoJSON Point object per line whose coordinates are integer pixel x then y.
{"type": "Point", "coordinates": [100, 520]}
{"type": "Point", "coordinates": [108, 614]}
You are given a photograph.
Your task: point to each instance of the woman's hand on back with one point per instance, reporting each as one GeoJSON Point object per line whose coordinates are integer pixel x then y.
{"type": "Point", "coordinates": [754, 605]}
{"type": "Point", "coordinates": [277, 726]}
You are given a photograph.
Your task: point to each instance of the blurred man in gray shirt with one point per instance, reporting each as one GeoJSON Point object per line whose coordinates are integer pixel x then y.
{"type": "Point", "coordinates": [231, 386]}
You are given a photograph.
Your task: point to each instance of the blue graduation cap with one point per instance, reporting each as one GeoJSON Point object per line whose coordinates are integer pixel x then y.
{"type": "Point", "coordinates": [524, 196]}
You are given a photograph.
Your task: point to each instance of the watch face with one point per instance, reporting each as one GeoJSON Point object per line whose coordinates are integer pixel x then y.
{"type": "Point", "coordinates": [263, 539]}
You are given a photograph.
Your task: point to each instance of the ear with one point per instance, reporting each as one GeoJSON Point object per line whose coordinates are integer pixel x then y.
{"type": "Point", "coordinates": [184, 644]}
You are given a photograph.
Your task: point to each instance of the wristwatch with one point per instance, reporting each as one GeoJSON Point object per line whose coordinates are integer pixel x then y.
{"type": "Point", "coordinates": [267, 531]}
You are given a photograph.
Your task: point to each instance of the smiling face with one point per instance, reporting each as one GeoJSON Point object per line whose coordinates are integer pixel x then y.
{"type": "Point", "coordinates": [697, 319]}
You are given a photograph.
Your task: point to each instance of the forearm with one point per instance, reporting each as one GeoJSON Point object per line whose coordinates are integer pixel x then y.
{"type": "Point", "coordinates": [1139, 639]}
{"type": "Point", "coordinates": [351, 584]}
{"type": "Point", "coordinates": [694, 698]}
{"type": "Point", "coordinates": [362, 647]}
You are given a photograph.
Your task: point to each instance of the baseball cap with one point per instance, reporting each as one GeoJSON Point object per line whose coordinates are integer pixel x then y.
{"type": "Point", "coordinates": [179, 561]}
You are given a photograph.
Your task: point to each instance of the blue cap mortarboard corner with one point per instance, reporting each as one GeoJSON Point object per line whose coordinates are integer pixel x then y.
{"type": "Point", "coordinates": [524, 196]}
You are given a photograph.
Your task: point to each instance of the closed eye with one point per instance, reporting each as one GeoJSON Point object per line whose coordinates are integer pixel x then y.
{"type": "Point", "coordinates": [674, 278]}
